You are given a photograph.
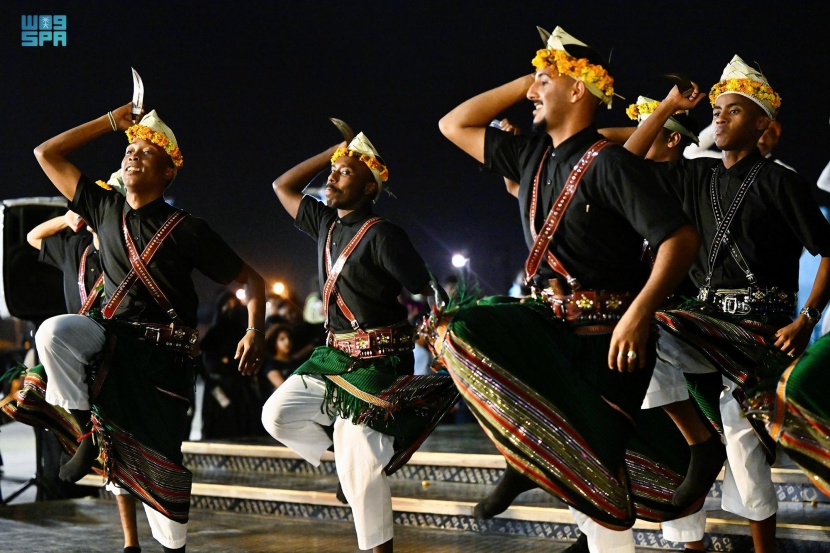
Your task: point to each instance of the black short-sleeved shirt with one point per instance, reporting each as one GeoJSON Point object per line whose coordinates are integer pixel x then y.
{"type": "Point", "coordinates": [381, 265]}
{"type": "Point", "coordinates": [618, 203]}
{"type": "Point", "coordinates": [64, 250]}
{"type": "Point", "coordinates": [191, 245]}
{"type": "Point", "coordinates": [778, 217]}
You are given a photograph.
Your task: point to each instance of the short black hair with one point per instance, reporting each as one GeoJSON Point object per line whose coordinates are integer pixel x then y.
{"type": "Point", "coordinates": [691, 125]}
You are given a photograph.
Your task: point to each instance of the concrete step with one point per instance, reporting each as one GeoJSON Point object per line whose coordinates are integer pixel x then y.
{"type": "Point", "coordinates": [791, 484]}
{"type": "Point", "coordinates": [92, 526]}
{"type": "Point", "coordinates": [438, 490]}
{"type": "Point", "coordinates": [801, 527]}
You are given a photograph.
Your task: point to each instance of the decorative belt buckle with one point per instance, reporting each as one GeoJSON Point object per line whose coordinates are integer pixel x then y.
{"type": "Point", "coordinates": [152, 333]}
{"type": "Point", "coordinates": [363, 341]}
{"type": "Point", "coordinates": [559, 307]}
{"type": "Point", "coordinates": [383, 338]}
{"type": "Point", "coordinates": [729, 304]}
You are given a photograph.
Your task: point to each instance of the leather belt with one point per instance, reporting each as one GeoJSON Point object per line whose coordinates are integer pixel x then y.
{"type": "Point", "coordinates": [588, 306]}
{"type": "Point", "coordinates": [178, 338]}
{"type": "Point", "coordinates": [374, 342]}
{"type": "Point", "coordinates": [755, 300]}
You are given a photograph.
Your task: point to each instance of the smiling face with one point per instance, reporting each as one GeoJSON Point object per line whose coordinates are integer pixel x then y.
{"type": "Point", "coordinates": [146, 166]}
{"type": "Point", "coordinates": [550, 93]}
{"type": "Point", "coordinates": [350, 184]}
{"type": "Point", "coordinates": [739, 122]}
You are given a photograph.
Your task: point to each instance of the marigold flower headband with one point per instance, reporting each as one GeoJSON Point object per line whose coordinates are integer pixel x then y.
{"type": "Point", "coordinates": [743, 79]}
{"type": "Point", "coordinates": [594, 76]}
{"type": "Point", "coordinates": [646, 106]}
{"type": "Point", "coordinates": [636, 111]}
{"type": "Point", "coordinates": [371, 162]}
{"type": "Point", "coordinates": [746, 87]}
{"type": "Point", "coordinates": [157, 138]}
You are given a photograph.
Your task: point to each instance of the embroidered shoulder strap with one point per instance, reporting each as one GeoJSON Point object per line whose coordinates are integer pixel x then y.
{"type": "Point", "coordinates": [333, 271]}
{"type": "Point", "coordinates": [88, 300]}
{"type": "Point", "coordinates": [542, 240]}
{"type": "Point", "coordinates": [724, 220]}
{"type": "Point", "coordinates": [139, 266]}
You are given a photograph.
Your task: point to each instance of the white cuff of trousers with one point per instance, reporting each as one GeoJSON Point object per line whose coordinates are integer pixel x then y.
{"type": "Point", "coordinates": [667, 385]}
{"type": "Point", "coordinates": [169, 533]}
{"type": "Point", "coordinates": [361, 454]}
{"type": "Point", "coordinates": [686, 529]}
{"type": "Point", "coordinates": [747, 487]}
{"type": "Point", "coordinates": [602, 539]}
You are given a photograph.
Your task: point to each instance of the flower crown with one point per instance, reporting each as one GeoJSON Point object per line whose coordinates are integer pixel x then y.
{"type": "Point", "coordinates": [157, 138]}
{"type": "Point", "coordinates": [634, 111]}
{"type": "Point", "coordinates": [371, 162]}
{"type": "Point", "coordinates": [579, 68]}
{"type": "Point", "coordinates": [755, 89]}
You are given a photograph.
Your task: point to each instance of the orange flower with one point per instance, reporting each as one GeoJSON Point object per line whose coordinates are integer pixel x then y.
{"type": "Point", "coordinates": [759, 90]}
{"type": "Point", "coordinates": [157, 138]}
{"type": "Point", "coordinates": [578, 68]}
{"type": "Point", "coordinates": [371, 162]}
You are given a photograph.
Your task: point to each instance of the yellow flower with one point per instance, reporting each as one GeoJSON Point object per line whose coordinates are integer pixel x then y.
{"type": "Point", "coordinates": [634, 111]}
{"type": "Point", "coordinates": [759, 90]}
{"type": "Point", "coordinates": [160, 140]}
{"type": "Point", "coordinates": [370, 161]}
{"type": "Point", "coordinates": [578, 68]}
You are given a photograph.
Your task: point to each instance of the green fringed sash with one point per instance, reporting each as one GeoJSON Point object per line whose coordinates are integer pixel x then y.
{"type": "Point", "coordinates": [374, 392]}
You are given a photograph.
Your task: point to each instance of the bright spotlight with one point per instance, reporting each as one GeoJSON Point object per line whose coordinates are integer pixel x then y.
{"type": "Point", "coordinates": [279, 288]}
{"type": "Point", "coordinates": [459, 261]}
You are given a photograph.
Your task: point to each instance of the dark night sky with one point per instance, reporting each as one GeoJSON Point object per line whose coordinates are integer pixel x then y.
{"type": "Point", "coordinates": [247, 87]}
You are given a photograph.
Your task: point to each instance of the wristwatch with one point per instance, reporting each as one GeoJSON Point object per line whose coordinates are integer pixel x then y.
{"type": "Point", "coordinates": [813, 315]}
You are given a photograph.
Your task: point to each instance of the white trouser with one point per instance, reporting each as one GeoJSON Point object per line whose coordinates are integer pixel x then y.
{"type": "Point", "coordinates": [602, 539]}
{"type": "Point", "coordinates": [169, 533]}
{"type": "Point", "coordinates": [65, 344]}
{"type": "Point", "coordinates": [294, 416]}
{"type": "Point", "coordinates": [685, 529]}
{"type": "Point", "coordinates": [747, 484]}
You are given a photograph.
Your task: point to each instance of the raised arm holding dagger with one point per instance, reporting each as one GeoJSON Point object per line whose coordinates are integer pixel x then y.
{"type": "Point", "coordinates": [137, 352]}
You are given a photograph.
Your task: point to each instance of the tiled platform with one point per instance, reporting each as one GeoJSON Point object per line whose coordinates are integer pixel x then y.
{"type": "Point", "coordinates": [433, 498]}
{"type": "Point", "coordinates": [68, 526]}
{"type": "Point", "coordinates": [438, 489]}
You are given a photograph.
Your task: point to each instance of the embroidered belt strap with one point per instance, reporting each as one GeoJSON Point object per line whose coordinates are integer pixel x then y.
{"type": "Point", "coordinates": [542, 240]}
{"type": "Point", "coordinates": [87, 300]}
{"type": "Point", "coordinates": [139, 266]}
{"type": "Point", "coordinates": [333, 271]}
{"type": "Point", "coordinates": [374, 342]}
{"type": "Point", "coordinates": [724, 220]}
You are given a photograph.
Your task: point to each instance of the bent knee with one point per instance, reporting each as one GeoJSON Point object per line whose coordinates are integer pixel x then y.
{"type": "Point", "coordinates": [273, 416]}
